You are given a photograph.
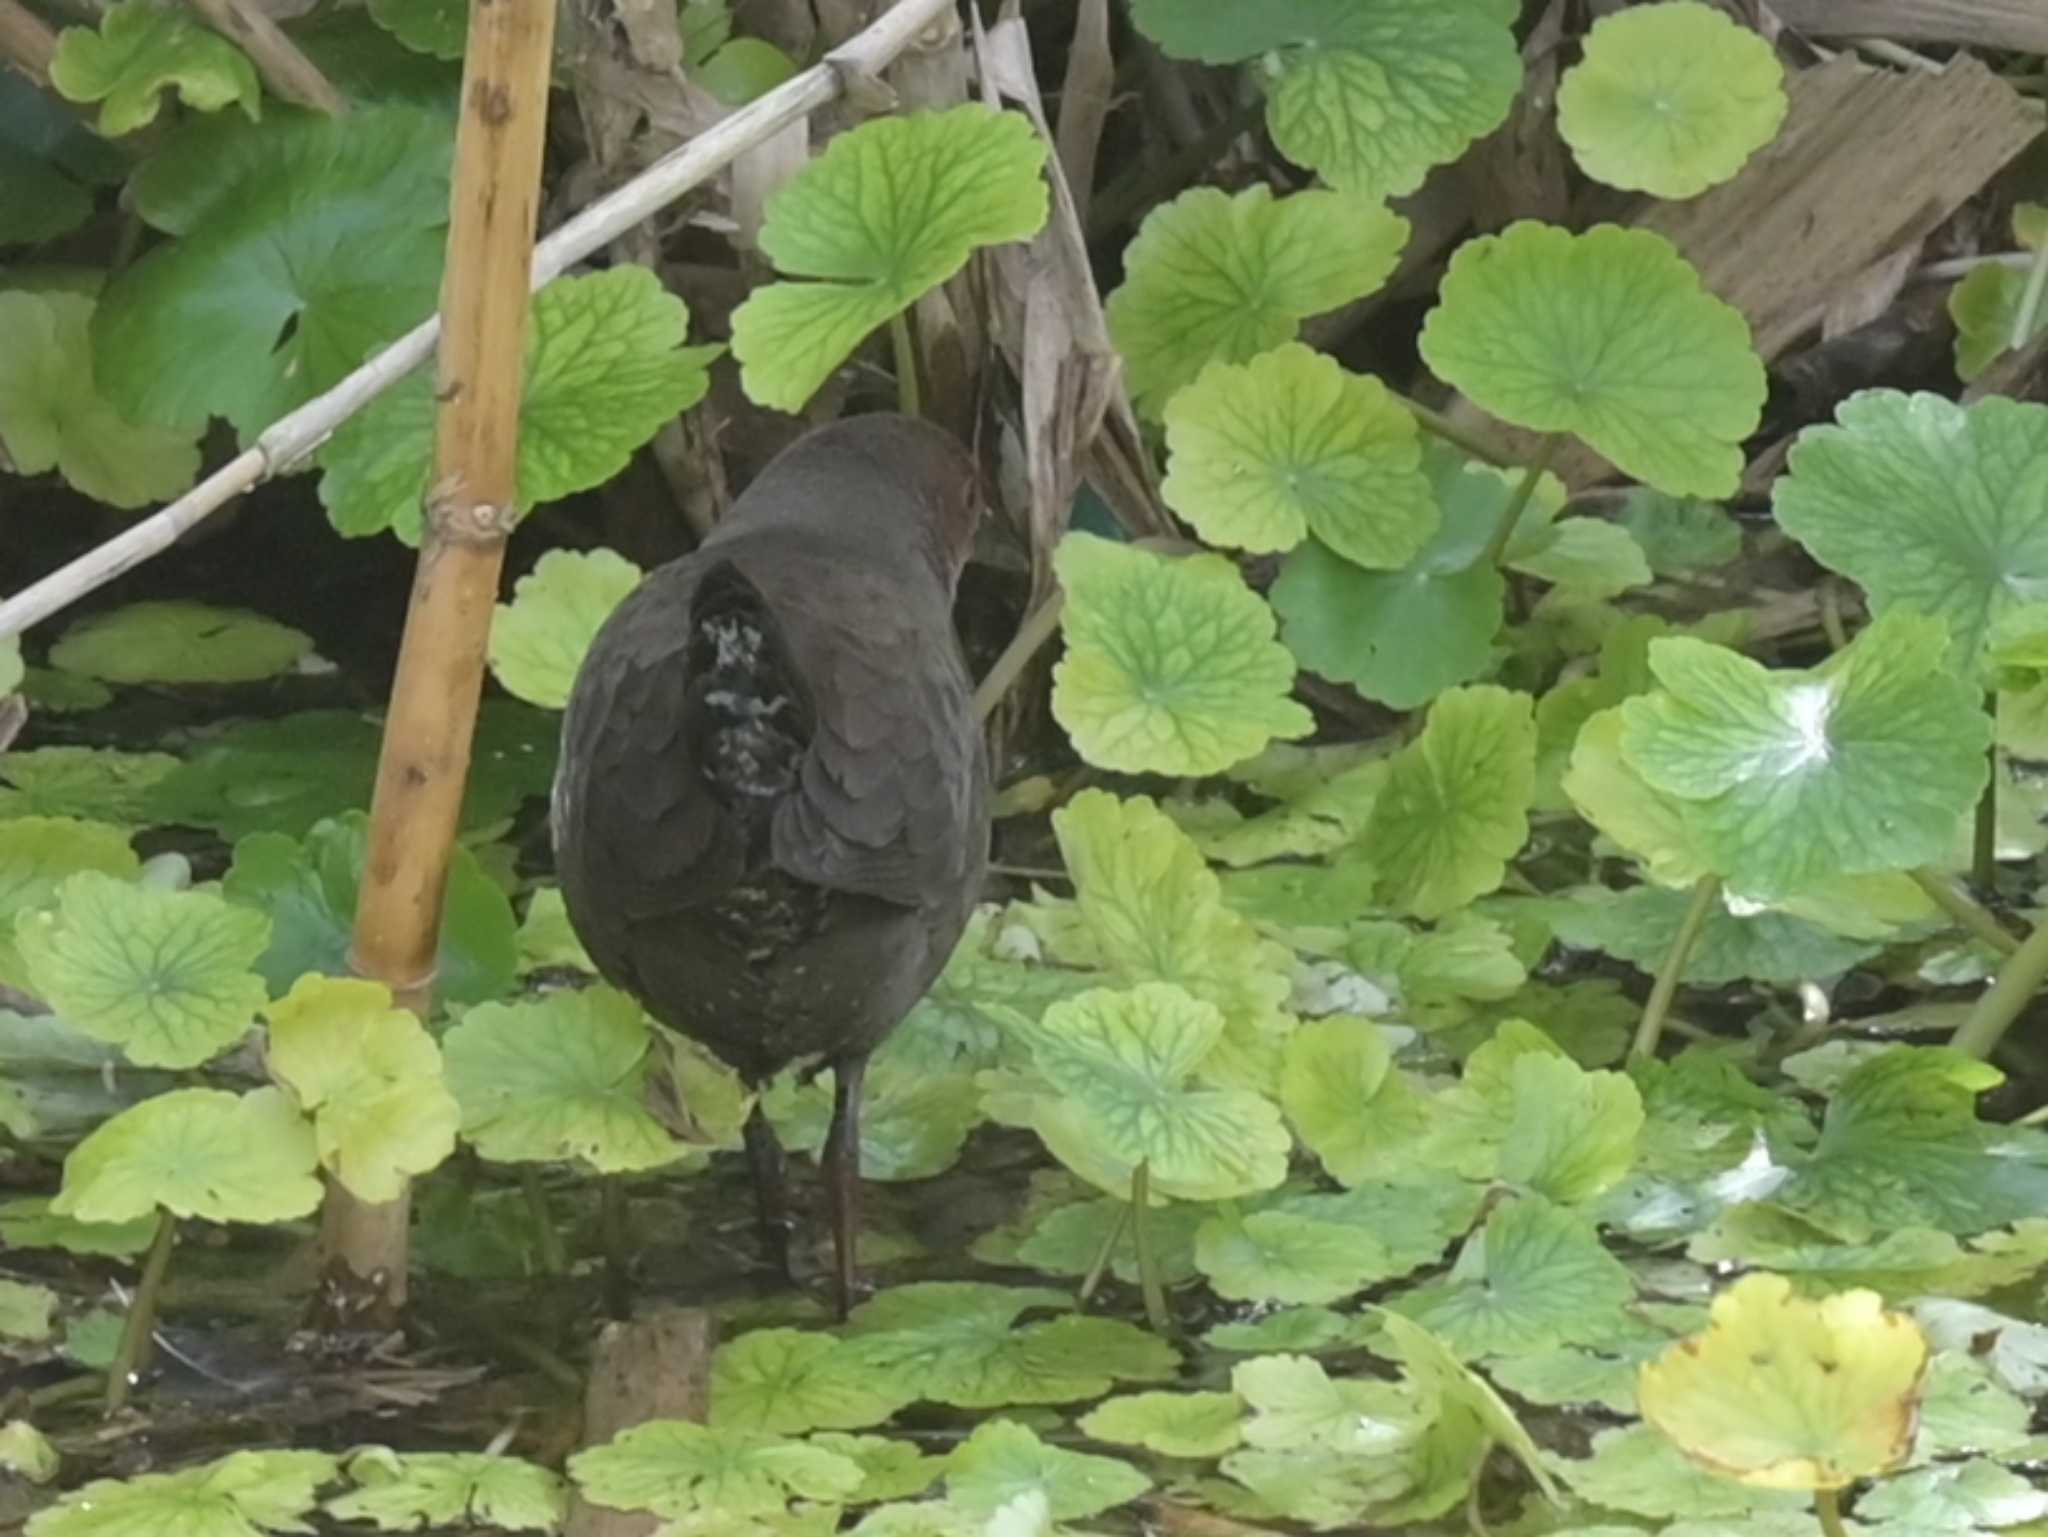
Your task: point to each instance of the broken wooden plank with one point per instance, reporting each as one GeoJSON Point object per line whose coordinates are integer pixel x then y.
{"type": "Point", "coordinates": [2021, 25]}
{"type": "Point", "coordinates": [657, 1367]}
{"type": "Point", "coordinates": [1868, 161]}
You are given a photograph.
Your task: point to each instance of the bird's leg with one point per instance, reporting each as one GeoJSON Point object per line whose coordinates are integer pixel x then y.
{"type": "Point", "coordinates": [842, 1168]}
{"type": "Point", "coordinates": [771, 1191]}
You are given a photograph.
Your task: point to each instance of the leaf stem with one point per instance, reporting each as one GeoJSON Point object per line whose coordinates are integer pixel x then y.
{"type": "Point", "coordinates": [2029, 312]}
{"type": "Point", "coordinates": [1984, 842]}
{"type": "Point", "coordinates": [553, 1260]}
{"type": "Point", "coordinates": [131, 1356]}
{"type": "Point", "coordinates": [1827, 1504]}
{"type": "Point", "coordinates": [1705, 893]}
{"type": "Point", "coordinates": [611, 1217]}
{"type": "Point", "coordinates": [1511, 514]}
{"type": "Point", "coordinates": [1971, 916]}
{"type": "Point", "coordinates": [1100, 1268]}
{"type": "Point", "coordinates": [1148, 1259]}
{"type": "Point", "coordinates": [1999, 1005]}
{"type": "Point", "coordinates": [1831, 615]}
{"type": "Point", "coordinates": [1439, 425]}
{"type": "Point", "coordinates": [908, 400]}
{"type": "Point", "coordinates": [1038, 627]}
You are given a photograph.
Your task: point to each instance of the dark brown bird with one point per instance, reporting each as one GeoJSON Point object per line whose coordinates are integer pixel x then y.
{"type": "Point", "coordinates": [771, 815]}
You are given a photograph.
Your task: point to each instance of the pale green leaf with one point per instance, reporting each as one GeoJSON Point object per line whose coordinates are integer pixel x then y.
{"type": "Point", "coordinates": [52, 416]}
{"type": "Point", "coordinates": [1290, 443]}
{"type": "Point", "coordinates": [672, 1468]}
{"type": "Point", "coordinates": [562, 1076]}
{"type": "Point", "coordinates": [1369, 93]}
{"type": "Point", "coordinates": [1116, 1066]}
{"type": "Point", "coordinates": [1171, 664]}
{"type": "Point", "coordinates": [1927, 505]}
{"type": "Point", "coordinates": [1172, 1424]}
{"type": "Point", "coordinates": [142, 49]}
{"type": "Point", "coordinates": [786, 1380]}
{"type": "Point", "coordinates": [398, 1492]}
{"type": "Point", "coordinates": [196, 1153]}
{"type": "Point", "coordinates": [1455, 807]}
{"type": "Point", "coordinates": [1670, 99]}
{"type": "Point", "coordinates": [605, 367]}
{"type": "Point", "coordinates": [370, 1077]}
{"type": "Point", "coordinates": [890, 210]}
{"type": "Point", "coordinates": [539, 638]}
{"type": "Point", "coordinates": [1002, 1460]}
{"type": "Point", "coordinates": [241, 1495]}
{"type": "Point", "coordinates": [1216, 278]}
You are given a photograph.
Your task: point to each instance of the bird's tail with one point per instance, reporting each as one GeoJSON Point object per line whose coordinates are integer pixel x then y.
{"type": "Point", "coordinates": [747, 714]}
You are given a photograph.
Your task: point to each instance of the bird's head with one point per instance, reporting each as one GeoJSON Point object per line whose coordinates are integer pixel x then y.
{"type": "Point", "coordinates": [883, 479]}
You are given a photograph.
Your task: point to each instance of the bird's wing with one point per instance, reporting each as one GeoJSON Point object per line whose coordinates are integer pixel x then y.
{"type": "Point", "coordinates": [891, 790]}
{"type": "Point", "coordinates": [631, 813]}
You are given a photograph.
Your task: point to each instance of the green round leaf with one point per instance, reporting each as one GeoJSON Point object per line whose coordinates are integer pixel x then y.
{"type": "Point", "coordinates": [1291, 444]}
{"type": "Point", "coordinates": [1403, 637]}
{"type": "Point", "coordinates": [786, 1380]}
{"type": "Point", "coordinates": [302, 247]}
{"type": "Point", "coordinates": [1171, 665]}
{"type": "Point", "coordinates": [539, 638]}
{"type": "Point", "coordinates": [142, 49]}
{"type": "Point", "coordinates": [177, 642]}
{"type": "Point", "coordinates": [563, 1076]}
{"type": "Point", "coordinates": [1608, 335]}
{"type": "Point", "coordinates": [1670, 99]}
{"type": "Point", "coordinates": [1789, 777]}
{"type": "Point", "coordinates": [1215, 278]}
{"type": "Point", "coordinates": [1927, 505]}
{"type": "Point", "coordinates": [1456, 803]}
{"type": "Point", "coordinates": [891, 210]}
{"type": "Point", "coordinates": [1172, 1424]}
{"type": "Point", "coordinates": [164, 975]}
{"type": "Point", "coordinates": [196, 1153]}
{"type": "Point", "coordinates": [959, 1343]}
{"type": "Point", "coordinates": [673, 1468]}
{"type": "Point", "coordinates": [53, 417]}
{"type": "Point", "coordinates": [1333, 1069]}
{"type": "Point", "coordinates": [1003, 1460]}
{"type": "Point", "coordinates": [606, 368]}
{"type": "Point", "coordinates": [1283, 1256]}
{"type": "Point", "coordinates": [1369, 93]}
{"type": "Point", "coordinates": [1534, 1277]}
